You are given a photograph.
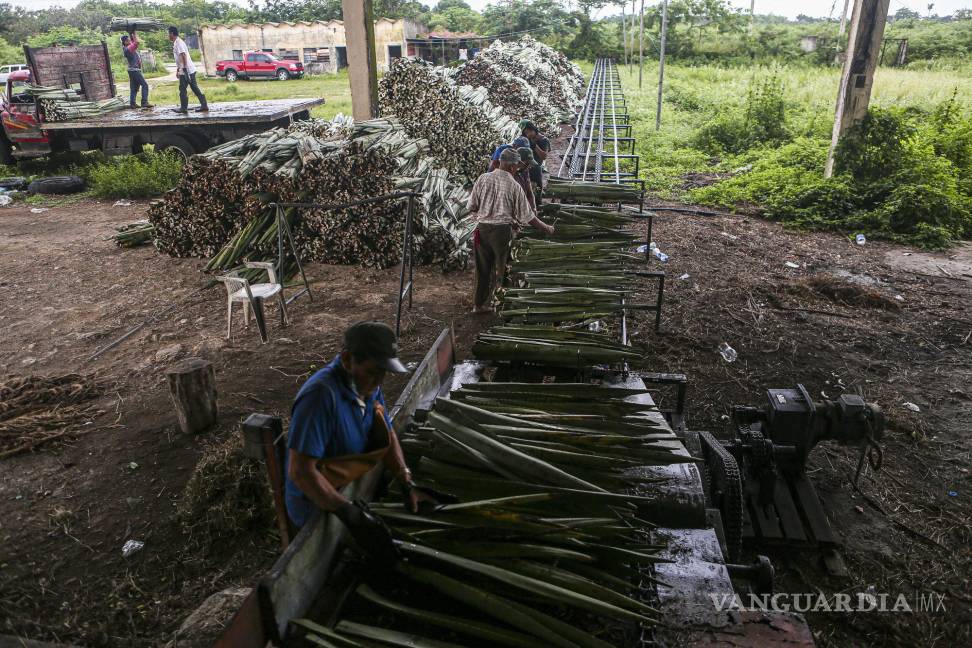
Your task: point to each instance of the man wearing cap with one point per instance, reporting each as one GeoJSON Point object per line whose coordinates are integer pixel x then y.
{"type": "Point", "coordinates": [500, 206]}
{"type": "Point", "coordinates": [540, 146]}
{"type": "Point", "coordinates": [519, 142]}
{"type": "Point", "coordinates": [339, 431]}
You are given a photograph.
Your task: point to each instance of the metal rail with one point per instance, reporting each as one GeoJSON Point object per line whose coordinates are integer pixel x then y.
{"type": "Point", "coordinates": [602, 132]}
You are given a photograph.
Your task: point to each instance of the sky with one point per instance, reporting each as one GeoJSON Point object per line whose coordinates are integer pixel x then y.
{"type": "Point", "coordinates": [788, 8]}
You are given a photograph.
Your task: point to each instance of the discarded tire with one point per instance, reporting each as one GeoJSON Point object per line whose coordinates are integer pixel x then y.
{"type": "Point", "coordinates": [57, 185]}
{"type": "Point", "coordinates": [13, 182]}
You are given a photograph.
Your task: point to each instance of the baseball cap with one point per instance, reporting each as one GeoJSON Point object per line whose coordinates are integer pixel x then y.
{"type": "Point", "coordinates": [526, 155]}
{"type": "Point", "coordinates": [520, 142]}
{"type": "Point", "coordinates": [525, 124]}
{"type": "Point", "coordinates": [376, 341]}
{"type": "Point", "coordinates": [510, 156]}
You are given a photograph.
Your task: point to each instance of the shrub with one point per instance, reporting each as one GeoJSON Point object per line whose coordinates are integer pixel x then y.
{"type": "Point", "coordinates": [135, 176]}
{"type": "Point", "coordinates": [761, 121]}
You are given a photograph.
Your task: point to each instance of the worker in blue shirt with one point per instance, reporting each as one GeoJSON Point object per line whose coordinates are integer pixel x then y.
{"type": "Point", "coordinates": [339, 431]}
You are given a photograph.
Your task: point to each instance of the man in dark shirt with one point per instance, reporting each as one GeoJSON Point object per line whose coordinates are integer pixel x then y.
{"type": "Point", "coordinates": [339, 431]}
{"type": "Point", "coordinates": [136, 80]}
{"type": "Point", "coordinates": [540, 146]}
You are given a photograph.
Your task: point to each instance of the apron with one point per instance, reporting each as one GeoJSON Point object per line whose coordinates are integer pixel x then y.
{"type": "Point", "coordinates": [341, 471]}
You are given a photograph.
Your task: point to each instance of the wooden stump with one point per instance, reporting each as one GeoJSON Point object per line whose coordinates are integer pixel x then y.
{"type": "Point", "coordinates": [192, 386]}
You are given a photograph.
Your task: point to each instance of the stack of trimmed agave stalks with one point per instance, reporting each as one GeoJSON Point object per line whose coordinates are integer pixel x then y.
{"type": "Point", "coordinates": [62, 104]}
{"type": "Point", "coordinates": [510, 93]}
{"type": "Point", "coordinates": [461, 135]}
{"type": "Point", "coordinates": [556, 305]}
{"type": "Point", "coordinates": [322, 163]}
{"type": "Point", "coordinates": [129, 25]}
{"type": "Point", "coordinates": [133, 234]}
{"type": "Point", "coordinates": [444, 217]}
{"type": "Point", "coordinates": [579, 191]}
{"type": "Point", "coordinates": [547, 71]}
{"type": "Point", "coordinates": [542, 548]}
{"type": "Point", "coordinates": [554, 347]}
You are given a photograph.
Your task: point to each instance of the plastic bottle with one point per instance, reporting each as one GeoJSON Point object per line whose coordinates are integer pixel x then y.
{"type": "Point", "coordinates": [861, 240]}
{"type": "Point", "coordinates": [658, 254]}
{"type": "Point", "coordinates": [727, 352]}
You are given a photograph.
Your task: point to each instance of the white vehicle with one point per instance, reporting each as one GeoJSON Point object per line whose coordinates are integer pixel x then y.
{"type": "Point", "coordinates": [5, 70]}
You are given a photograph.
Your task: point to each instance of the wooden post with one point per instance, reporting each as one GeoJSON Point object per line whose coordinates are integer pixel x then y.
{"type": "Point", "coordinates": [863, 49]}
{"type": "Point", "coordinates": [641, 45]}
{"type": "Point", "coordinates": [192, 386]}
{"type": "Point", "coordinates": [359, 29]}
{"type": "Point", "coordinates": [843, 19]}
{"type": "Point", "coordinates": [631, 32]}
{"type": "Point", "coordinates": [624, 35]}
{"type": "Point", "coordinates": [752, 14]}
{"type": "Point", "coordinates": [661, 63]}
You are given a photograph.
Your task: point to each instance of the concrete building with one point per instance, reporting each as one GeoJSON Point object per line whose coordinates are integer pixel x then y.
{"type": "Point", "coordinates": [320, 45]}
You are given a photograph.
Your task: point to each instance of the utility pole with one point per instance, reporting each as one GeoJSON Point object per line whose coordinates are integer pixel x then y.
{"type": "Point", "coordinates": [661, 63]}
{"type": "Point", "coordinates": [359, 28]}
{"type": "Point", "coordinates": [752, 14]}
{"type": "Point", "coordinates": [632, 32]}
{"type": "Point", "coordinates": [624, 33]}
{"type": "Point", "coordinates": [641, 45]}
{"type": "Point", "coordinates": [863, 48]}
{"type": "Point", "coordinates": [843, 19]}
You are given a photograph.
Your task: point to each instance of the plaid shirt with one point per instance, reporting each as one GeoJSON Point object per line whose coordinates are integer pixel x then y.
{"type": "Point", "coordinates": [498, 199]}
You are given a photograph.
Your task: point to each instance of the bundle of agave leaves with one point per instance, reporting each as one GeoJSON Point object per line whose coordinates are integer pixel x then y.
{"type": "Point", "coordinates": [544, 544]}
{"type": "Point", "coordinates": [581, 275]}
{"type": "Point", "coordinates": [579, 191]}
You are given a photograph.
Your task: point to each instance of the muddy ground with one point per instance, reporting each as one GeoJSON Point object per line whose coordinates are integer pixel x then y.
{"type": "Point", "coordinates": [834, 323]}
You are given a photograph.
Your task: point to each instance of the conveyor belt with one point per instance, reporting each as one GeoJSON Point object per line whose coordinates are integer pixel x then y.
{"type": "Point", "coordinates": [601, 148]}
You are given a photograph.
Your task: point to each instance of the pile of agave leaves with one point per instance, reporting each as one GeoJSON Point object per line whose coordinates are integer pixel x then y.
{"type": "Point", "coordinates": [547, 545]}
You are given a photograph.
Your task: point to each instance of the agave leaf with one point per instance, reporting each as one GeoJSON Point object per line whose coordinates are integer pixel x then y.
{"type": "Point", "coordinates": [518, 462]}
{"type": "Point", "coordinates": [327, 637]}
{"type": "Point", "coordinates": [393, 637]}
{"type": "Point", "coordinates": [526, 583]}
{"type": "Point", "coordinates": [494, 634]}
{"type": "Point", "coordinates": [489, 603]}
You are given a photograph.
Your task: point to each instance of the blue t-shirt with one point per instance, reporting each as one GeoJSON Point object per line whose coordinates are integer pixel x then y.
{"type": "Point", "coordinates": [327, 421]}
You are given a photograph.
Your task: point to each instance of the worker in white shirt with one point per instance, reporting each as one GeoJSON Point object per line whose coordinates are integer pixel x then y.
{"type": "Point", "coordinates": [186, 71]}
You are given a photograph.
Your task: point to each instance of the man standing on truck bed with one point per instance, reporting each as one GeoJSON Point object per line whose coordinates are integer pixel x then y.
{"type": "Point", "coordinates": [136, 79]}
{"type": "Point", "coordinates": [186, 71]}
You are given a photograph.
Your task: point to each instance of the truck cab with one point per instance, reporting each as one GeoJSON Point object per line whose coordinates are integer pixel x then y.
{"type": "Point", "coordinates": [259, 65]}
{"type": "Point", "coordinates": [23, 137]}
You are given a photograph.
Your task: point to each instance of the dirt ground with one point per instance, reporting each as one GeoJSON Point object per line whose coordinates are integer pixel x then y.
{"type": "Point", "coordinates": [834, 323]}
{"type": "Point", "coordinates": [889, 322]}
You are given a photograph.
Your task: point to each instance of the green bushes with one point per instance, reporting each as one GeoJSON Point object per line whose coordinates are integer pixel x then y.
{"type": "Point", "coordinates": [134, 176]}
{"type": "Point", "coordinates": [762, 121]}
{"type": "Point", "coordinates": [901, 174]}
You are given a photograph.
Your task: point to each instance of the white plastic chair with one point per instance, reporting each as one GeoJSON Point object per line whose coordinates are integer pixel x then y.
{"type": "Point", "coordinates": [238, 289]}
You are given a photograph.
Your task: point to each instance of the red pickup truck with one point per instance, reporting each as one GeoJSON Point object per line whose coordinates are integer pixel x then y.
{"type": "Point", "coordinates": [260, 65]}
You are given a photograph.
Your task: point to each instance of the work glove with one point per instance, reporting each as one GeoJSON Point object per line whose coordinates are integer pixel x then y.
{"type": "Point", "coordinates": [370, 533]}
{"type": "Point", "coordinates": [428, 500]}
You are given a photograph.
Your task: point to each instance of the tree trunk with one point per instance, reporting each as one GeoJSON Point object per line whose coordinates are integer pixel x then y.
{"type": "Point", "coordinates": [192, 386]}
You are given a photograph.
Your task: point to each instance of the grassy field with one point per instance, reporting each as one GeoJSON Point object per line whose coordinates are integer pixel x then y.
{"type": "Point", "coordinates": [694, 95]}
{"type": "Point", "coordinates": [757, 137]}
{"type": "Point", "coordinates": [333, 88]}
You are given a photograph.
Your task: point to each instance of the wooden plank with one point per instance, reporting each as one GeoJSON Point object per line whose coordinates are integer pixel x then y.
{"type": "Point", "coordinates": [816, 519]}
{"type": "Point", "coordinates": [787, 511]}
{"type": "Point", "coordinates": [230, 112]}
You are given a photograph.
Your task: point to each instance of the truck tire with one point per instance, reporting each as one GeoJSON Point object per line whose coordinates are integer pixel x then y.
{"type": "Point", "coordinates": [13, 182]}
{"type": "Point", "coordinates": [57, 185]}
{"type": "Point", "coordinates": [283, 74]}
{"type": "Point", "coordinates": [178, 144]}
{"type": "Point", "coordinates": [231, 75]}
